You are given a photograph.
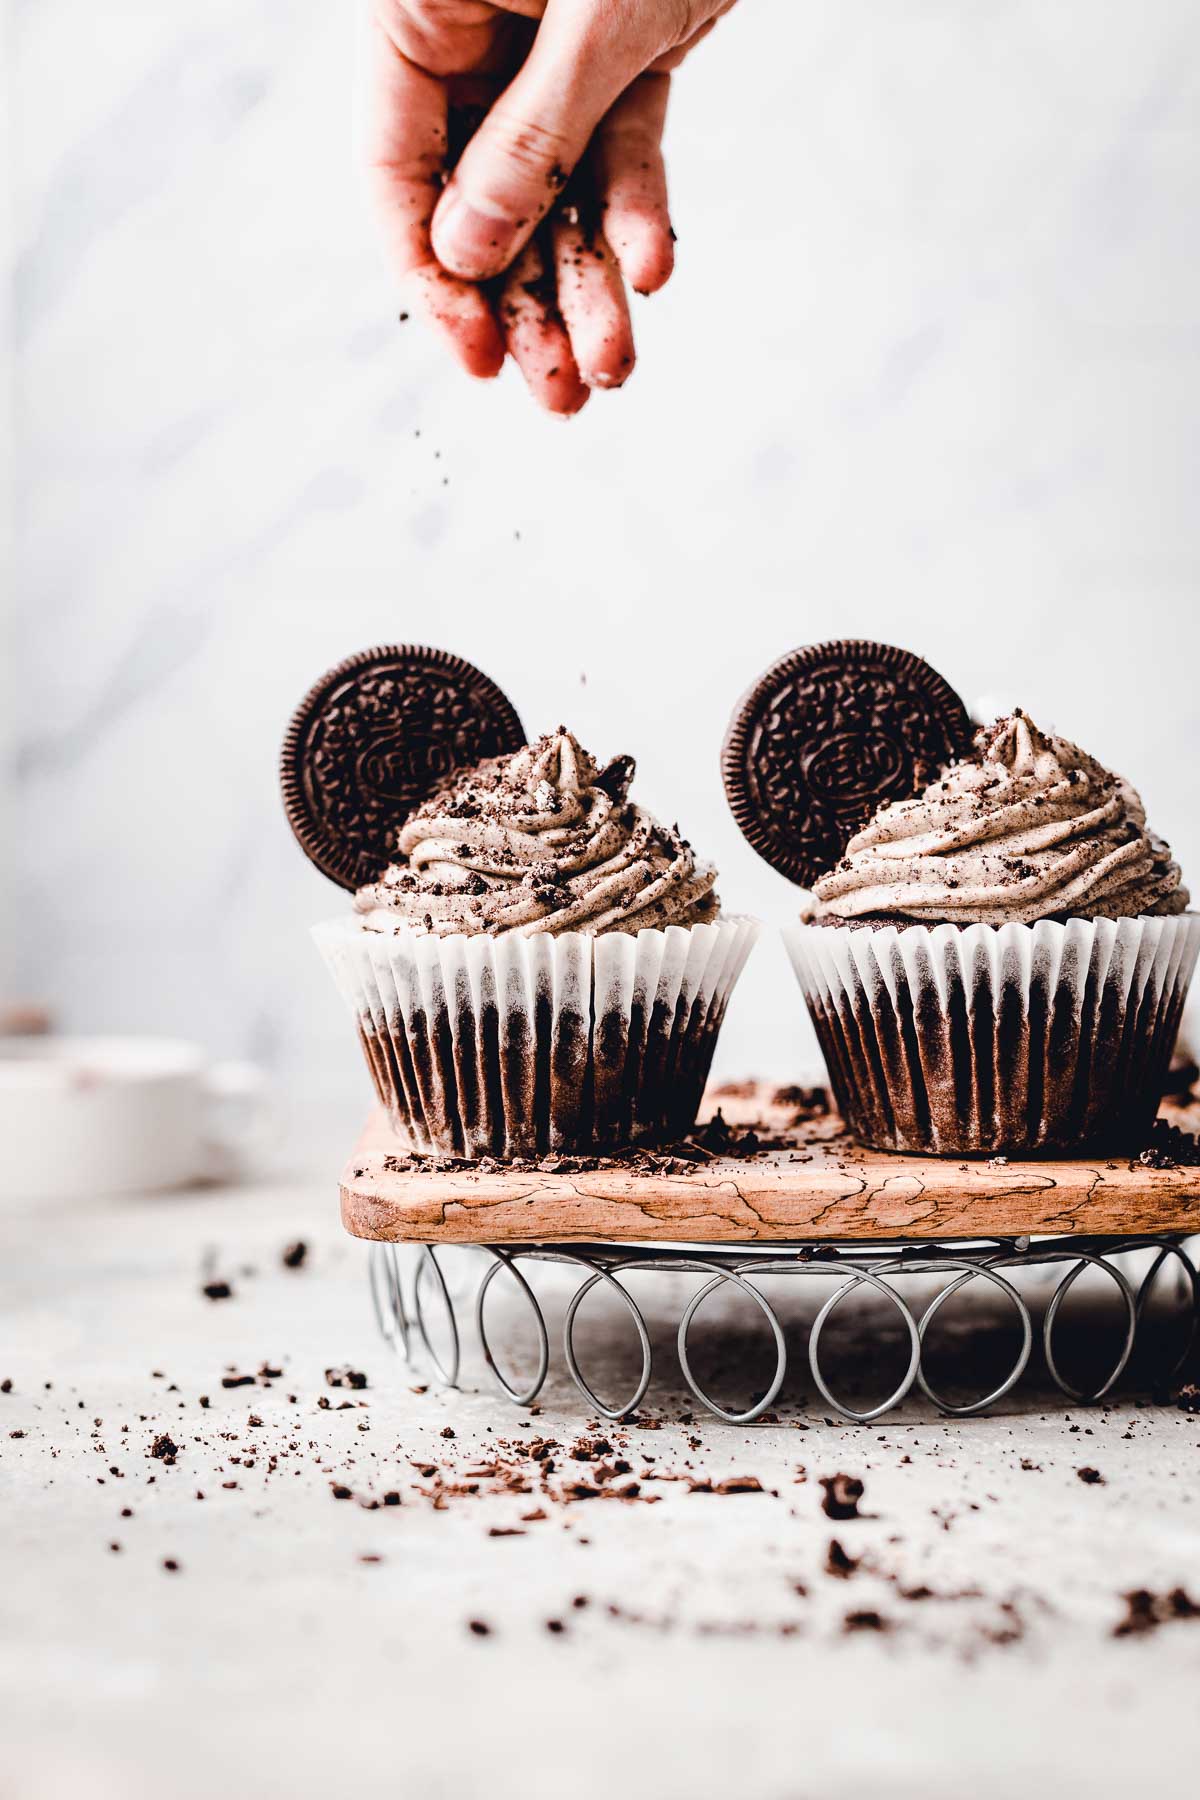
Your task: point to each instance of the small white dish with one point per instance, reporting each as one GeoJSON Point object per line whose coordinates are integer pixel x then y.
{"type": "Point", "coordinates": [94, 1116]}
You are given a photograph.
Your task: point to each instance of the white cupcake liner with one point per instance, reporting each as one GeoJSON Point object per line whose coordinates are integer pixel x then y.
{"type": "Point", "coordinates": [950, 1039]}
{"type": "Point", "coordinates": [514, 1046]}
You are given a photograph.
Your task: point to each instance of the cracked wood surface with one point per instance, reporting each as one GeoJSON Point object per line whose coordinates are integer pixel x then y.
{"type": "Point", "coordinates": [820, 1187]}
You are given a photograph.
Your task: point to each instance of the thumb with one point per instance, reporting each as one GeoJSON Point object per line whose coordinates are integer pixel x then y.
{"type": "Point", "coordinates": [585, 54]}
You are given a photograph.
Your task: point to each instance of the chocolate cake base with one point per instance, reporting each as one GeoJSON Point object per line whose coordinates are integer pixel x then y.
{"type": "Point", "coordinates": [1007, 1039]}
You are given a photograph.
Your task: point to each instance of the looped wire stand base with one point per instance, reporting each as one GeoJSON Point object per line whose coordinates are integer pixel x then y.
{"type": "Point", "coordinates": [811, 1215]}
{"type": "Point", "coordinates": [403, 1296]}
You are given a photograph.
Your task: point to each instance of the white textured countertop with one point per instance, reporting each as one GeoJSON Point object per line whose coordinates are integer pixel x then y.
{"type": "Point", "coordinates": [310, 1645]}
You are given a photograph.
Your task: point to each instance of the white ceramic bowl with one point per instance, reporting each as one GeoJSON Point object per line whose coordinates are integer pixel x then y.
{"type": "Point", "coordinates": [114, 1115]}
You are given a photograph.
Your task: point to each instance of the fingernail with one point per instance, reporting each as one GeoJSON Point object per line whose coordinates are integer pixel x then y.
{"type": "Point", "coordinates": [470, 239]}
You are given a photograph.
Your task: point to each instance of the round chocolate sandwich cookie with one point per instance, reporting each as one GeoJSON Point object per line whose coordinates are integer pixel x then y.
{"type": "Point", "coordinates": [828, 734]}
{"type": "Point", "coordinates": [374, 738]}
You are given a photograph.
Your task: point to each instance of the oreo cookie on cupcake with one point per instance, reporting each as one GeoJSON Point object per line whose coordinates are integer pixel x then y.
{"type": "Point", "coordinates": [996, 961]}
{"type": "Point", "coordinates": [534, 963]}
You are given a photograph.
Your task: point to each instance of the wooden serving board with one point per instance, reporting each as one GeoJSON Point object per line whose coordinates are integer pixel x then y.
{"type": "Point", "coordinates": [819, 1186]}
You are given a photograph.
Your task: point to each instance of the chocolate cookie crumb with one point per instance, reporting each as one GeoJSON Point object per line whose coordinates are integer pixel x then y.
{"type": "Point", "coordinates": [347, 1378]}
{"type": "Point", "coordinates": [839, 1563]}
{"type": "Point", "coordinates": [1170, 1147]}
{"type": "Point", "coordinates": [841, 1496]}
{"type": "Point", "coordinates": [1145, 1611]}
{"type": "Point", "coordinates": [866, 1620]}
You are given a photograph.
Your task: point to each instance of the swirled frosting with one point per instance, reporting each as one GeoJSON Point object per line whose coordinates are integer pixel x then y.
{"type": "Point", "coordinates": [544, 840]}
{"type": "Point", "coordinates": [1028, 827]}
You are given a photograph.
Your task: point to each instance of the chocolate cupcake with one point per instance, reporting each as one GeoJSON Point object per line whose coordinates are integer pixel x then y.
{"type": "Point", "coordinates": [542, 967]}
{"type": "Point", "coordinates": [1000, 963]}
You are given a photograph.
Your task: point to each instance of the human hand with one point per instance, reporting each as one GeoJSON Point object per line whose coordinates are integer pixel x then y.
{"type": "Point", "coordinates": [515, 151]}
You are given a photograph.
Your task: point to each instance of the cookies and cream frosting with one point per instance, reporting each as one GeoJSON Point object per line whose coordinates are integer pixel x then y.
{"type": "Point", "coordinates": [1028, 827]}
{"type": "Point", "coordinates": [544, 840]}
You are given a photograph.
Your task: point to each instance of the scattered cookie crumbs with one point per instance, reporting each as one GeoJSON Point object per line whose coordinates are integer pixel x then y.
{"type": "Point", "coordinates": [734, 1484]}
{"type": "Point", "coordinates": [839, 1562]}
{"type": "Point", "coordinates": [841, 1496]}
{"type": "Point", "coordinates": [345, 1378]}
{"type": "Point", "coordinates": [1170, 1147]}
{"type": "Point", "coordinates": [1145, 1611]}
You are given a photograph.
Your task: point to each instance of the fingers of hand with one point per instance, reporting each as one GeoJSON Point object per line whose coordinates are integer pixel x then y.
{"type": "Point", "coordinates": [509, 177]}
{"type": "Point", "coordinates": [462, 316]}
{"type": "Point", "coordinates": [450, 37]}
{"type": "Point", "coordinates": [584, 55]}
{"type": "Point", "coordinates": [536, 336]}
{"type": "Point", "coordinates": [632, 182]}
{"type": "Point", "coordinates": [591, 299]}
{"type": "Point", "coordinates": [406, 149]}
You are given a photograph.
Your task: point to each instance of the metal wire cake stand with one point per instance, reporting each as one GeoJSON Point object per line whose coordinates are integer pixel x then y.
{"type": "Point", "coordinates": [815, 1219]}
{"type": "Point", "coordinates": [402, 1297]}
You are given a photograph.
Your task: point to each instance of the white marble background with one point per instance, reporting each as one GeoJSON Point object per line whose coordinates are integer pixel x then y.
{"type": "Point", "coordinates": [929, 370]}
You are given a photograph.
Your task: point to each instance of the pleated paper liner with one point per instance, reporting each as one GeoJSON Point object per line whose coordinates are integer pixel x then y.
{"type": "Point", "coordinates": [999, 1039]}
{"type": "Point", "coordinates": [516, 1046]}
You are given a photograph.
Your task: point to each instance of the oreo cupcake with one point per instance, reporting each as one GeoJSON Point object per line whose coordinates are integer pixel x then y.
{"type": "Point", "coordinates": [999, 962]}
{"type": "Point", "coordinates": [540, 966]}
